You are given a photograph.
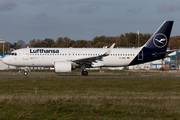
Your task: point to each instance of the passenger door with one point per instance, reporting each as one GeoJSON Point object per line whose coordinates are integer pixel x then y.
{"type": "Point", "coordinates": [25, 54]}
{"type": "Point", "coordinates": [140, 55]}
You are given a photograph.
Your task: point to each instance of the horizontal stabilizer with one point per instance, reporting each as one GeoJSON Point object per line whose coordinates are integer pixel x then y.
{"type": "Point", "coordinates": [167, 53]}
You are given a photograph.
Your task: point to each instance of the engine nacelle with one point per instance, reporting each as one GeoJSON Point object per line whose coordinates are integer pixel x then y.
{"type": "Point", "coordinates": [62, 67]}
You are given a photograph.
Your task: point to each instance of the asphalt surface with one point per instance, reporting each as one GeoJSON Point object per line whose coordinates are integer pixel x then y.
{"type": "Point", "coordinates": [93, 76]}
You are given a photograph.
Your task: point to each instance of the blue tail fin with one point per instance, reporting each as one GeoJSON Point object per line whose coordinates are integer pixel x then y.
{"type": "Point", "coordinates": [155, 47]}
{"type": "Point", "coordinates": [160, 39]}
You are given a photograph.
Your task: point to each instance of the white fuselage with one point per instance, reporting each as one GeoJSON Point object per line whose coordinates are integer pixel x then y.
{"type": "Point", "coordinates": [45, 57]}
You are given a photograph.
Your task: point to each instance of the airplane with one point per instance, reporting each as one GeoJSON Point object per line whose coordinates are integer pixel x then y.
{"type": "Point", "coordinates": [64, 60]}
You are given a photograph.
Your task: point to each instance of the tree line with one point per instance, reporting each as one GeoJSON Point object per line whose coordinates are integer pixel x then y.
{"type": "Point", "coordinates": [124, 40]}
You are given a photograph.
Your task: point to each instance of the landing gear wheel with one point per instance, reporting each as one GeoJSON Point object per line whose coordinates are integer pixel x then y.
{"type": "Point", "coordinates": [84, 73]}
{"type": "Point", "coordinates": [25, 73]}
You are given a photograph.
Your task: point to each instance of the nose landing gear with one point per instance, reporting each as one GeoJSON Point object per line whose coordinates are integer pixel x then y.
{"type": "Point", "coordinates": [25, 73]}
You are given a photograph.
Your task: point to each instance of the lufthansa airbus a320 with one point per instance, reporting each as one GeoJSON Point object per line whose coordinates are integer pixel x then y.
{"type": "Point", "coordinates": [68, 59]}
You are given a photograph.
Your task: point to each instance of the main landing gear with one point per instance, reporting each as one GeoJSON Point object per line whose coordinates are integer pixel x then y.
{"type": "Point", "coordinates": [84, 73]}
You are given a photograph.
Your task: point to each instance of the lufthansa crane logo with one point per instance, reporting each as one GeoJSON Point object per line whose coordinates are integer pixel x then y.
{"type": "Point", "coordinates": [160, 40]}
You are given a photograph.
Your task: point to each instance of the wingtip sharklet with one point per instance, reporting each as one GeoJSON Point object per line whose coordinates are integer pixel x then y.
{"type": "Point", "coordinates": [110, 49]}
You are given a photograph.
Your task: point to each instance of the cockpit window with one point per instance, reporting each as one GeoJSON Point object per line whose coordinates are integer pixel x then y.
{"type": "Point", "coordinates": [14, 54]}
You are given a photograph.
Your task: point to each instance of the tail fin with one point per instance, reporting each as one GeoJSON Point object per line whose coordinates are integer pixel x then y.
{"type": "Point", "coordinates": [155, 47]}
{"type": "Point", "coordinates": [160, 39]}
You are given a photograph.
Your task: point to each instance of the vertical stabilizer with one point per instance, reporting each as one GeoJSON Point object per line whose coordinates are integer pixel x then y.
{"type": "Point", "coordinates": [160, 39]}
{"type": "Point", "coordinates": [155, 47]}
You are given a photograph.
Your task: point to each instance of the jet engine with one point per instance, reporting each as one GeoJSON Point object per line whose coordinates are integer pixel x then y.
{"type": "Point", "coordinates": [62, 67]}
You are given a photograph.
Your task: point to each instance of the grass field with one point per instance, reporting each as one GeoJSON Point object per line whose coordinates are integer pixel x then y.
{"type": "Point", "coordinates": [89, 98]}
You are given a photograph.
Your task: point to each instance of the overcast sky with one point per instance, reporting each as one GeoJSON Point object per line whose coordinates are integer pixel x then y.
{"type": "Point", "coordinates": [83, 19]}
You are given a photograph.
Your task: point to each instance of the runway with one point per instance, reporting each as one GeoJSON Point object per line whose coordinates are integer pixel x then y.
{"type": "Point", "coordinates": [76, 76]}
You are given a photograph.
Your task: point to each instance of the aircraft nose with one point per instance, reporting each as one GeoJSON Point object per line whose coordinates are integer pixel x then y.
{"type": "Point", "coordinates": [5, 60]}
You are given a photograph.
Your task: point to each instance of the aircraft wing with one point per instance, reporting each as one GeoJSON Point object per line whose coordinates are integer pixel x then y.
{"type": "Point", "coordinates": [89, 60]}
